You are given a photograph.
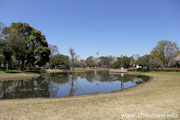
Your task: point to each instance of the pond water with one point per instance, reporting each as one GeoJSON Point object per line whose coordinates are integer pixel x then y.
{"type": "Point", "coordinates": [67, 84]}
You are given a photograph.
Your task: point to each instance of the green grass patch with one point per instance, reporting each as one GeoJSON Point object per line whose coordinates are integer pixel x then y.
{"type": "Point", "coordinates": [18, 71]}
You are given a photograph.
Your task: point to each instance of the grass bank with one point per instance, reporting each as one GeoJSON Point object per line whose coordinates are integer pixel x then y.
{"type": "Point", "coordinates": [158, 96]}
{"type": "Point", "coordinates": [16, 74]}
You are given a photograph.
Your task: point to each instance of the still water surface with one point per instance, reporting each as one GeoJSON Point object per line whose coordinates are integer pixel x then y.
{"type": "Point", "coordinates": [65, 84]}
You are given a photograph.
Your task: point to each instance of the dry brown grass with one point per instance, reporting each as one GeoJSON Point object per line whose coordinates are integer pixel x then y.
{"type": "Point", "coordinates": [87, 68]}
{"type": "Point", "coordinates": [160, 95]}
{"type": "Point", "coordinates": [53, 70]}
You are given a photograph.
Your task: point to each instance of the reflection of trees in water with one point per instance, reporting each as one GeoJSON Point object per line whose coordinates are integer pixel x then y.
{"type": "Point", "coordinates": [73, 78]}
{"type": "Point", "coordinates": [143, 77]}
{"type": "Point", "coordinates": [125, 78]}
{"type": "Point", "coordinates": [137, 79]}
{"type": "Point", "coordinates": [44, 85]}
{"type": "Point", "coordinates": [83, 75]}
{"type": "Point", "coordinates": [105, 76]}
{"type": "Point", "coordinates": [90, 76]}
{"type": "Point", "coordinates": [36, 87]}
{"type": "Point", "coordinates": [4, 86]}
{"type": "Point", "coordinates": [58, 80]}
{"type": "Point", "coordinates": [102, 76]}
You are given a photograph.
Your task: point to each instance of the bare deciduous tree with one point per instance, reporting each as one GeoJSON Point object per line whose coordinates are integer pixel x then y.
{"type": "Point", "coordinates": [136, 56]}
{"type": "Point", "coordinates": [165, 51]}
{"type": "Point", "coordinates": [73, 56]}
{"type": "Point", "coordinates": [1, 28]}
{"type": "Point", "coordinates": [54, 51]}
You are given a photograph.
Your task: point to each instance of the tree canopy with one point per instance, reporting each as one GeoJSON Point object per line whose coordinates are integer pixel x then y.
{"type": "Point", "coordinates": [90, 61]}
{"type": "Point", "coordinates": [60, 59]}
{"type": "Point", "coordinates": [126, 60]}
{"type": "Point", "coordinates": [149, 61]}
{"type": "Point", "coordinates": [165, 51]}
{"type": "Point", "coordinates": [5, 52]}
{"type": "Point", "coordinates": [28, 44]}
{"type": "Point", "coordinates": [73, 57]}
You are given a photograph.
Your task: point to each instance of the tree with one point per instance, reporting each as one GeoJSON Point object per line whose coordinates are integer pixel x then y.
{"type": "Point", "coordinates": [5, 49]}
{"type": "Point", "coordinates": [1, 28]}
{"type": "Point", "coordinates": [144, 61]}
{"type": "Point", "coordinates": [112, 61]}
{"type": "Point", "coordinates": [90, 61]}
{"type": "Point", "coordinates": [126, 60]}
{"type": "Point", "coordinates": [73, 56]}
{"type": "Point", "coordinates": [54, 51]}
{"type": "Point", "coordinates": [82, 63]}
{"type": "Point", "coordinates": [165, 51]}
{"type": "Point", "coordinates": [134, 59]}
{"type": "Point", "coordinates": [76, 61]}
{"type": "Point", "coordinates": [5, 52]}
{"type": "Point", "coordinates": [106, 61]}
{"type": "Point", "coordinates": [149, 61]}
{"type": "Point", "coordinates": [174, 63]}
{"type": "Point", "coordinates": [28, 44]}
{"type": "Point", "coordinates": [135, 56]}
{"type": "Point", "coordinates": [155, 62]}
{"type": "Point", "coordinates": [60, 59]}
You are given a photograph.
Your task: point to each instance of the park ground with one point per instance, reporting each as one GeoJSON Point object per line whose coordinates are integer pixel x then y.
{"type": "Point", "coordinates": [161, 95]}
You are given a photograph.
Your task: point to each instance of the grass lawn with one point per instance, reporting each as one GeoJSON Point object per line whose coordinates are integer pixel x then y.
{"type": "Point", "coordinates": [160, 95]}
{"type": "Point", "coordinates": [16, 74]}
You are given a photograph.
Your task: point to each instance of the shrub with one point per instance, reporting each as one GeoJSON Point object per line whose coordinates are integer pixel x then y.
{"type": "Point", "coordinates": [132, 69]}
{"type": "Point", "coordinates": [42, 71]}
{"type": "Point", "coordinates": [168, 69]}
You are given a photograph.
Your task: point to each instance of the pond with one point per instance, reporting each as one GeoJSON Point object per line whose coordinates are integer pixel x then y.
{"type": "Point", "coordinates": [68, 84]}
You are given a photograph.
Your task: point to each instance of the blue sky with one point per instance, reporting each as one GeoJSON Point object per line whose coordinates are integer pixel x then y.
{"type": "Point", "coordinates": [110, 27]}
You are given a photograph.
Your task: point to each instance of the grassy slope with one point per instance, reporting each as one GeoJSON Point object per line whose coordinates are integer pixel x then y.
{"type": "Point", "coordinates": [160, 95]}
{"type": "Point", "coordinates": [16, 74]}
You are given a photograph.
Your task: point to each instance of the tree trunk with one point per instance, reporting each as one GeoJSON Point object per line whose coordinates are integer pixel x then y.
{"type": "Point", "coordinates": [4, 69]}
{"type": "Point", "coordinates": [19, 64]}
{"type": "Point", "coordinates": [73, 68]}
{"type": "Point", "coordinates": [7, 66]}
{"type": "Point", "coordinates": [49, 65]}
{"type": "Point", "coordinates": [27, 66]}
{"type": "Point", "coordinates": [22, 66]}
{"type": "Point", "coordinates": [147, 68]}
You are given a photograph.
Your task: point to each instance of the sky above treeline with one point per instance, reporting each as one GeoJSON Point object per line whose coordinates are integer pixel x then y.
{"type": "Point", "coordinates": [109, 27]}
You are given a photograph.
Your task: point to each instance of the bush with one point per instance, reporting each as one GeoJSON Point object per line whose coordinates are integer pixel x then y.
{"type": "Point", "coordinates": [168, 69]}
{"type": "Point", "coordinates": [42, 71]}
{"type": "Point", "coordinates": [132, 69]}
{"type": "Point", "coordinates": [42, 68]}
{"type": "Point", "coordinates": [156, 69]}
{"type": "Point", "coordinates": [159, 69]}
{"type": "Point", "coordinates": [171, 69]}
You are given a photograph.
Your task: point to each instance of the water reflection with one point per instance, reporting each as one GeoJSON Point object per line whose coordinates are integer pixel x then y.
{"type": "Point", "coordinates": [65, 84]}
{"type": "Point", "coordinates": [122, 77]}
{"type": "Point", "coordinates": [25, 88]}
